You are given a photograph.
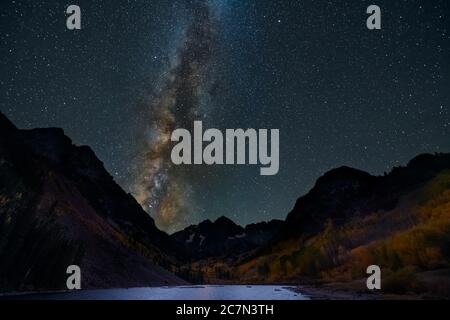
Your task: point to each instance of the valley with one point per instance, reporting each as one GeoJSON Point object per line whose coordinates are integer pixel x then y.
{"type": "Point", "coordinates": [59, 206]}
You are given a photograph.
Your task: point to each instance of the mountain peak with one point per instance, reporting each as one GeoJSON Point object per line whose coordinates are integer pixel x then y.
{"type": "Point", "coordinates": [344, 192]}
{"type": "Point", "coordinates": [429, 161]}
{"type": "Point", "coordinates": [224, 221]}
{"type": "Point", "coordinates": [73, 212]}
{"type": "Point", "coordinates": [344, 173]}
{"type": "Point", "coordinates": [6, 125]}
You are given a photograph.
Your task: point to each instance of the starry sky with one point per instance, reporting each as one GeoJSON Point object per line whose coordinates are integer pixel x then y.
{"type": "Point", "coordinates": [339, 93]}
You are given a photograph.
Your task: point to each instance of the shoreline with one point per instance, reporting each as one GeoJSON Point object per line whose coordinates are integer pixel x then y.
{"type": "Point", "coordinates": [338, 291]}
{"type": "Point", "coordinates": [321, 293]}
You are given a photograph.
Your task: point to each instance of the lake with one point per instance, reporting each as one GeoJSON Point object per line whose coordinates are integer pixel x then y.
{"type": "Point", "coordinates": [207, 292]}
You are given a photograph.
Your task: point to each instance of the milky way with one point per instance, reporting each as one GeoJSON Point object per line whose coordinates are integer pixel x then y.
{"type": "Point", "coordinates": [161, 188]}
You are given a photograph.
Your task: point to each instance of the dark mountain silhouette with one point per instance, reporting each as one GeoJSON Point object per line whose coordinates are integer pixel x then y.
{"type": "Point", "coordinates": [344, 193]}
{"type": "Point", "coordinates": [59, 206]}
{"type": "Point", "coordinates": [351, 219]}
{"type": "Point", "coordinates": [223, 237]}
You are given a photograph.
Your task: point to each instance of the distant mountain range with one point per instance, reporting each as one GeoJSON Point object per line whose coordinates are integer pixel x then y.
{"type": "Point", "coordinates": [59, 206]}
{"type": "Point", "coordinates": [223, 237]}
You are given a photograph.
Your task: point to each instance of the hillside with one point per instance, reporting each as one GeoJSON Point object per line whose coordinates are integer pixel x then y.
{"type": "Point", "coordinates": [59, 206]}
{"type": "Point", "coordinates": [350, 220]}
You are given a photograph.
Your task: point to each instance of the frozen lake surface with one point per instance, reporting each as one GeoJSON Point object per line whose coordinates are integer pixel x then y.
{"type": "Point", "coordinates": [207, 292]}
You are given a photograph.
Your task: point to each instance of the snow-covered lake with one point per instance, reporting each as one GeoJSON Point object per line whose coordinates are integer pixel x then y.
{"type": "Point", "coordinates": [207, 292]}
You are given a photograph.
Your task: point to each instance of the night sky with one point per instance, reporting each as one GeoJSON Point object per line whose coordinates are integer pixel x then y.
{"type": "Point", "coordinates": [339, 93]}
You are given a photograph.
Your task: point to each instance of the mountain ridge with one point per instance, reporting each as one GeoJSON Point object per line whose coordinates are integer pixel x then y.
{"type": "Point", "coordinates": [358, 191]}
{"type": "Point", "coordinates": [346, 222]}
{"type": "Point", "coordinates": [59, 206]}
{"type": "Point", "coordinates": [223, 237]}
